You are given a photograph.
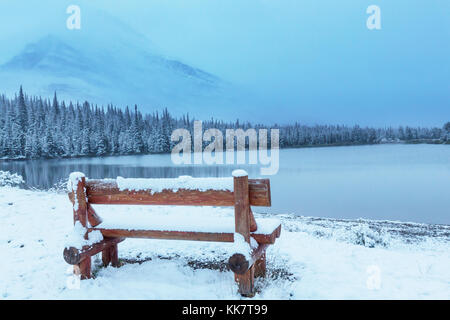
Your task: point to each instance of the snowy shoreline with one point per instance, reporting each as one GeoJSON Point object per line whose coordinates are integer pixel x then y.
{"type": "Point", "coordinates": [315, 258]}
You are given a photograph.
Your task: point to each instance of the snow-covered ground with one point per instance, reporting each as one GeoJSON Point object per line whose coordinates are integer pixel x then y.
{"type": "Point", "coordinates": [313, 259]}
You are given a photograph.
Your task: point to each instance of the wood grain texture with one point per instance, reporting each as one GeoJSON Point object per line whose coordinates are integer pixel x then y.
{"type": "Point", "coordinates": [259, 192]}
{"type": "Point", "coordinates": [114, 255]}
{"type": "Point", "coordinates": [246, 282]}
{"type": "Point", "coordinates": [110, 255]}
{"type": "Point", "coordinates": [253, 225]}
{"type": "Point", "coordinates": [106, 257]}
{"type": "Point", "coordinates": [260, 266]}
{"type": "Point", "coordinates": [92, 216]}
{"type": "Point", "coordinates": [242, 207]}
{"type": "Point", "coordinates": [107, 192]}
{"type": "Point", "coordinates": [83, 269]}
{"type": "Point", "coordinates": [244, 277]}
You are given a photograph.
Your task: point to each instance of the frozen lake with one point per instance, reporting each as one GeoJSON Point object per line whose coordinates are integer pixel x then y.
{"type": "Point", "coordinates": [394, 182]}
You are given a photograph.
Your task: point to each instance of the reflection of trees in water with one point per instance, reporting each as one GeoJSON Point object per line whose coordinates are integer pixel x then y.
{"type": "Point", "coordinates": [44, 174]}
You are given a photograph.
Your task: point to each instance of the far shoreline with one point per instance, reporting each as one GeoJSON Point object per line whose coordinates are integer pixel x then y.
{"type": "Point", "coordinates": [407, 142]}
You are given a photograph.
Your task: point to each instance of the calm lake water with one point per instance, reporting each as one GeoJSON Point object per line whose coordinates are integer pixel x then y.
{"type": "Point", "coordinates": [394, 182]}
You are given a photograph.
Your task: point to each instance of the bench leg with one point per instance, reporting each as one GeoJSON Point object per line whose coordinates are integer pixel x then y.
{"type": "Point", "coordinates": [106, 257]}
{"type": "Point", "coordinates": [246, 282]}
{"type": "Point", "coordinates": [114, 255]}
{"type": "Point", "coordinates": [260, 266]}
{"type": "Point", "coordinates": [110, 255]}
{"type": "Point", "coordinates": [83, 269]}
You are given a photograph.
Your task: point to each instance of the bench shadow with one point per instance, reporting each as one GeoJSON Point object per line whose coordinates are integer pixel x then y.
{"type": "Point", "coordinates": [274, 273]}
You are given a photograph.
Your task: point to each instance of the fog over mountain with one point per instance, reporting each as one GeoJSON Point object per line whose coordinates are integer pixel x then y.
{"type": "Point", "coordinates": [262, 61]}
{"type": "Point", "coordinates": [113, 64]}
{"type": "Point", "coordinates": [51, 64]}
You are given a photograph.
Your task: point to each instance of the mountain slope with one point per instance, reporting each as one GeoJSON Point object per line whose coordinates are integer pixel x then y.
{"type": "Point", "coordinates": [114, 64]}
{"type": "Point", "coordinates": [51, 64]}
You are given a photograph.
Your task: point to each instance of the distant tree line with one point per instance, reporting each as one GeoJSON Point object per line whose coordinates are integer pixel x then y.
{"type": "Point", "coordinates": [32, 127]}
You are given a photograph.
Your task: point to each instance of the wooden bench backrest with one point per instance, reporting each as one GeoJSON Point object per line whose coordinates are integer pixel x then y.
{"type": "Point", "coordinates": [246, 192]}
{"type": "Point", "coordinates": [107, 192]}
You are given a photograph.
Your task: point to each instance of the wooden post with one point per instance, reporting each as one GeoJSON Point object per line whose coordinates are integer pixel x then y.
{"type": "Point", "coordinates": [84, 268]}
{"type": "Point", "coordinates": [110, 255]}
{"type": "Point", "coordinates": [242, 207]}
{"type": "Point", "coordinates": [242, 226]}
{"type": "Point", "coordinates": [80, 211]}
{"type": "Point", "coordinates": [80, 204]}
{"type": "Point", "coordinates": [260, 266]}
{"type": "Point", "coordinates": [246, 282]}
{"type": "Point", "coordinates": [114, 256]}
{"type": "Point", "coordinates": [106, 257]}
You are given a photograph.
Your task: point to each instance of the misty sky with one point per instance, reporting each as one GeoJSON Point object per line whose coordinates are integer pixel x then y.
{"type": "Point", "coordinates": [314, 60]}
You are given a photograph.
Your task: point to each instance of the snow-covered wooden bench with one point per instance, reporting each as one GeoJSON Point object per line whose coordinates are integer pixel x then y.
{"type": "Point", "coordinates": [251, 237]}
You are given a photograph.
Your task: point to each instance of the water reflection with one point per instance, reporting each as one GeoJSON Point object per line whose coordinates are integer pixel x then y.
{"type": "Point", "coordinates": [44, 174]}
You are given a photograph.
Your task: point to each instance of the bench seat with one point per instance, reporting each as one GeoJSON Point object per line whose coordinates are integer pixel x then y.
{"type": "Point", "coordinates": [177, 223]}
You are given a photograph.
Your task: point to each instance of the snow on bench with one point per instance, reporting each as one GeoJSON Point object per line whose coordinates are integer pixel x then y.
{"type": "Point", "coordinates": [180, 218]}
{"type": "Point", "coordinates": [182, 182]}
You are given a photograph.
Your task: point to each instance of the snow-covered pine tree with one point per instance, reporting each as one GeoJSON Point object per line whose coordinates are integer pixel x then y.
{"type": "Point", "coordinates": [32, 127]}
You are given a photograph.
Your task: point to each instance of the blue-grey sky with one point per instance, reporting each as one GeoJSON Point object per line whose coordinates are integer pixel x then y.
{"type": "Point", "coordinates": [312, 60]}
